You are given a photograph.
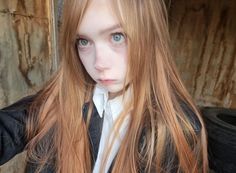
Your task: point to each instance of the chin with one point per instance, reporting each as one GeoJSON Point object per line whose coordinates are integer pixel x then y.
{"type": "Point", "coordinates": [113, 89]}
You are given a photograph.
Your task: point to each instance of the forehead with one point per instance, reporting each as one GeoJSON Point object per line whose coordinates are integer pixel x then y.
{"type": "Point", "coordinates": [98, 16]}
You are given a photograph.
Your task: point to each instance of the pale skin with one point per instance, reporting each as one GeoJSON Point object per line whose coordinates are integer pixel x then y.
{"type": "Point", "coordinates": [102, 47]}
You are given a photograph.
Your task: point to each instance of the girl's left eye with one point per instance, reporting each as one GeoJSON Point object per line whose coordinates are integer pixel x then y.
{"type": "Point", "coordinates": [118, 38]}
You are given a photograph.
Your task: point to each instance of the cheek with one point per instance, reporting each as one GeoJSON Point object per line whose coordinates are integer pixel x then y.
{"type": "Point", "coordinates": [123, 60]}
{"type": "Point", "coordinates": [121, 56]}
{"type": "Point", "coordinates": [120, 63]}
{"type": "Point", "coordinates": [84, 61]}
{"type": "Point", "coordinates": [87, 63]}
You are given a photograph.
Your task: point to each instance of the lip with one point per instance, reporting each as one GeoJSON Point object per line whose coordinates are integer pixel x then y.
{"type": "Point", "coordinates": [107, 81]}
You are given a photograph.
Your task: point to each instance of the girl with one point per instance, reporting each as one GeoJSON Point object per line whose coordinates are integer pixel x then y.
{"type": "Point", "coordinates": [116, 103]}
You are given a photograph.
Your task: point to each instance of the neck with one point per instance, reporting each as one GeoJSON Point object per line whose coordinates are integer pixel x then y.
{"type": "Point", "coordinates": [113, 95]}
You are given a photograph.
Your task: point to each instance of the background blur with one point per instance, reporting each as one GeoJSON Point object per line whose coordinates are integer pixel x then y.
{"type": "Point", "coordinates": [203, 35]}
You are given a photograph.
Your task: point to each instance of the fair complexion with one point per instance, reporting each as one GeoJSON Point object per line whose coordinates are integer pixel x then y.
{"type": "Point", "coordinates": [102, 47]}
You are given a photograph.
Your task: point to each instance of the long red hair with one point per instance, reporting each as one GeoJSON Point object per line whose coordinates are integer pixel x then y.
{"type": "Point", "coordinates": [57, 131]}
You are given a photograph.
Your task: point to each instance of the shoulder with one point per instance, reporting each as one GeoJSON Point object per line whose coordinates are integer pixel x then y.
{"type": "Point", "coordinates": [16, 112]}
{"type": "Point", "coordinates": [12, 128]}
{"type": "Point", "coordinates": [21, 104]}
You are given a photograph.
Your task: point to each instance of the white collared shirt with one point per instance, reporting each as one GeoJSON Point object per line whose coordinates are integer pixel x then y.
{"type": "Point", "coordinates": [111, 110]}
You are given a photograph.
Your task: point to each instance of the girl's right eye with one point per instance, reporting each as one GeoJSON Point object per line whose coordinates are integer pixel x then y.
{"type": "Point", "coordinates": [82, 43]}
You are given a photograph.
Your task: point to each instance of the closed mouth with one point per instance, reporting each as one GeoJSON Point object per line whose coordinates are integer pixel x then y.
{"type": "Point", "coordinates": [106, 81]}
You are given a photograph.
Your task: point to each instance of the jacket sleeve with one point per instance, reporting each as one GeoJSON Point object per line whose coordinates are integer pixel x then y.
{"type": "Point", "coordinates": [12, 129]}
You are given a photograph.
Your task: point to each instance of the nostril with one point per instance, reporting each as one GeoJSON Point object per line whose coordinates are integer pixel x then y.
{"type": "Point", "coordinates": [99, 67]}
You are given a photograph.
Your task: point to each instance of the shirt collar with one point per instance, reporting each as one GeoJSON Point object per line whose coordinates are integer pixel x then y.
{"type": "Point", "coordinates": [100, 98]}
{"type": "Point", "coordinates": [101, 102]}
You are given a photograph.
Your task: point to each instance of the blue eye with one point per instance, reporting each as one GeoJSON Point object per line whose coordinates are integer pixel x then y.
{"type": "Point", "coordinates": [82, 42]}
{"type": "Point", "coordinates": [118, 38]}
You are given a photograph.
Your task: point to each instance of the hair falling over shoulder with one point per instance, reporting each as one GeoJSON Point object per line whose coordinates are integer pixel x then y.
{"type": "Point", "coordinates": [158, 105]}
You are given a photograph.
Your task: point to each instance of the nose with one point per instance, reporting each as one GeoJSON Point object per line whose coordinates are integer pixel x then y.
{"type": "Point", "coordinates": [101, 58]}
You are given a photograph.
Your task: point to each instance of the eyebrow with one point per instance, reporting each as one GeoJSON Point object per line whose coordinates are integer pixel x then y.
{"type": "Point", "coordinates": [109, 29]}
{"type": "Point", "coordinates": [102, 32]}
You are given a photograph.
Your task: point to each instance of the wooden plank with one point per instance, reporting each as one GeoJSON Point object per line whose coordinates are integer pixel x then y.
{"type": "Point", "coordinates": [26, 55]}
{"type": "Point", "coordinates": [204, 43]}
{"type": "Point", "coordinates": [31, 8]}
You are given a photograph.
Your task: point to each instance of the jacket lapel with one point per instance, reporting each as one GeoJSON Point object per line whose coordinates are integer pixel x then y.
{"type": "Point", "coordinates": [95, 130]}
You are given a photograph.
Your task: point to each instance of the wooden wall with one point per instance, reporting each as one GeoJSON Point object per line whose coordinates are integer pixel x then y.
{"type": "Point", "coordinates": [203, 37]}
{"type": "Point", "coordinates": [25, 47]}
{"type": "Point", "coordinates": [26, 54]}
{"type": "Point", "coordinates": [203, 34]}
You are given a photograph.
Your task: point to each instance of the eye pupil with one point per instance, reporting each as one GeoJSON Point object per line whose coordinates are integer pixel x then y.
{"type": "Point", "coordinates": [83, 42]}
{"type": "Point", "coordinates": [117, 37]}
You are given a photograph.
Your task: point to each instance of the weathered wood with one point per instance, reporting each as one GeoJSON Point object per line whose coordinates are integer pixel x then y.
{"type": "Point", "coordinates": [30, 8]}
{"type": "Point", "coordinates": [204, 43]}
{"type": "Point", "coordinates": [25, 51]}
{"type": "Point", "coordinates": [16, 165]}
{"type": "Point", "coordinates": [26, 55]}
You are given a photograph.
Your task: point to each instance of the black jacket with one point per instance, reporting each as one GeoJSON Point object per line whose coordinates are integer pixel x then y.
{"type": "Point", "coordinates": [12, 132]}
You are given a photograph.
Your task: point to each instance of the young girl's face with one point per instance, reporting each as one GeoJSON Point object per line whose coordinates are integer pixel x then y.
{"type": "Point", "coordinates": [102, 46]}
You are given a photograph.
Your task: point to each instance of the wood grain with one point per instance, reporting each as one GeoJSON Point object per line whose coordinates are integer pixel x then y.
{"type": "Point", "coordinates": [26, 55]}
{"type": "Point", "coordinates": [203, 35]}
{"type": "Point", "coordinates": [25, 49]}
